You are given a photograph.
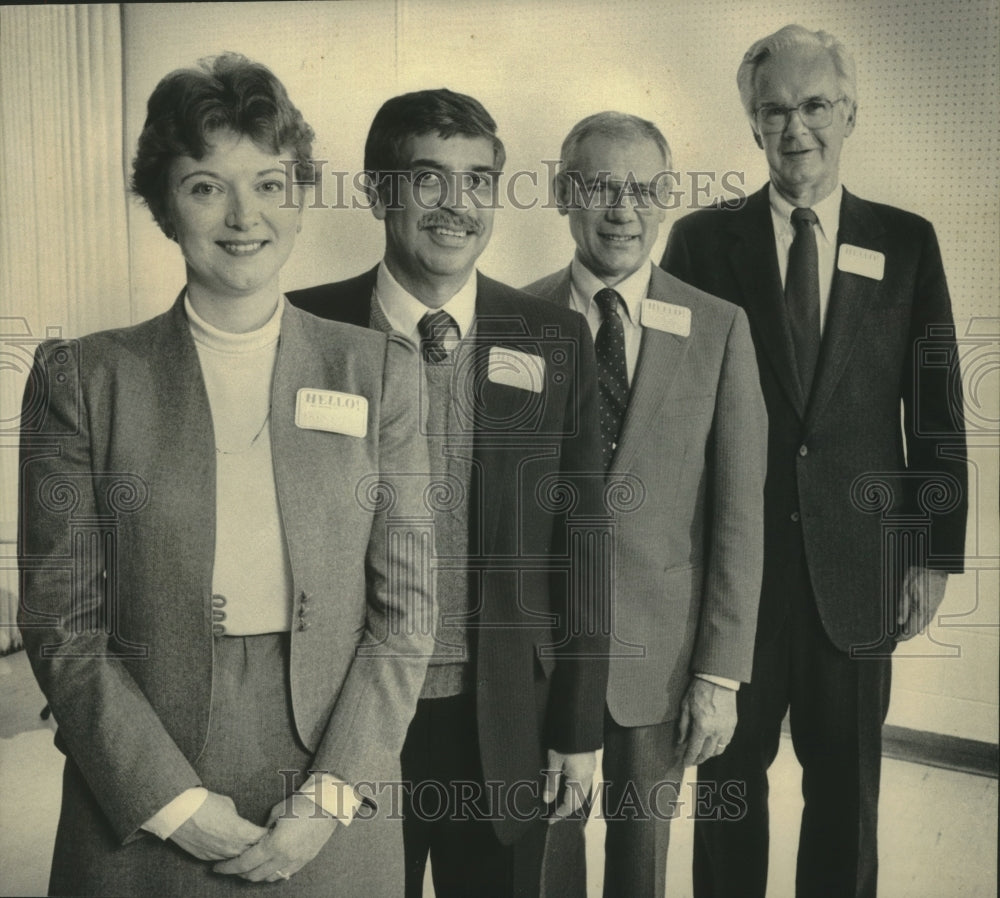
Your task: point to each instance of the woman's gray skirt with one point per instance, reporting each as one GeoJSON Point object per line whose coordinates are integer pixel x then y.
{"type": "Point", "coordinates": [251, 754]}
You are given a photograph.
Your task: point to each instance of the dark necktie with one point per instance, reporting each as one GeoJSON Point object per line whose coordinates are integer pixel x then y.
{"type": "Point", "coordinates": [435, 328]}
{"type": "Point", "coordinates": [612, 373]}
{"type": "Point", "coordinates": [802, 296]}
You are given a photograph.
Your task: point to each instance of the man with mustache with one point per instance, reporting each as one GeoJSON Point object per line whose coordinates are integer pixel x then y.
{"type": "Point", "coordinates": [852, 323]}
{"type": "Point", "coordinates": [681, 409]}
{"type": "Point", "coordinates": [511, 711]}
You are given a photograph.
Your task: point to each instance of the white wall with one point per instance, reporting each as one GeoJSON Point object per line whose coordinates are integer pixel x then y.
{"type": "Point", "coordinates": [926, 140]}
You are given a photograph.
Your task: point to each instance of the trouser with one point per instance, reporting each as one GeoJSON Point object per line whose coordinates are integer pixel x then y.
{"type": "Point", "coordinates": [837, 706]}
{"type": "Point", "coordinates": [446, 812]}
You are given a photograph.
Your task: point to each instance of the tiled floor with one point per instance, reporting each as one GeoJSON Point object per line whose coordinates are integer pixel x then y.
{"type": "Point", "coordinates": [938, 832]}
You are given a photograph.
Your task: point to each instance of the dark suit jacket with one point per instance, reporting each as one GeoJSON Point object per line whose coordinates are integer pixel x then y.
{"type": "Point", "coordinates": [536, 602]}
{"type": "Point", "coordinates": [838, 466]}
{"type": "Point", "coordinates": [117, 440]}
{"type": "Point", "coordinates": [688, 556]}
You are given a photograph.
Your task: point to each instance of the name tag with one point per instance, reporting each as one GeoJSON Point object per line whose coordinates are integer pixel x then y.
{"type": "Point", "coordinates": [869, 263]}
{"type": "Point", "coordinates": [331, 411]}
{"type": "Point", "coordinates": [516, 369]}
{"type": "Point", "coordinates": [667, 317]}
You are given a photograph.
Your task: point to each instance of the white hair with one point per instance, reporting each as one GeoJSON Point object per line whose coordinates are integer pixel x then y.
{"type": "Point", "coordinates": [617, 125]}
{"type": "Point", "coordinates": [795, 36]}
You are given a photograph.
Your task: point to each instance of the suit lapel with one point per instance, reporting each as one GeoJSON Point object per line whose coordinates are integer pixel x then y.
{"type": "Point", "coordinates": [497, 407]}
{"type": "Point", "coordinates": [183, 441]}
{"type": "Point", "coordinates": [660, 357]}
{"type": "Point", "coordinates": [297, 365]}
{"type": "Point", "coordinates": [365, 311]}
{"type": "Point", "coordinates": [851, 296]}
{"type": "Point", "coordinates": [755, 264]}
{"type": "Point", "coordinates": [561, 290]}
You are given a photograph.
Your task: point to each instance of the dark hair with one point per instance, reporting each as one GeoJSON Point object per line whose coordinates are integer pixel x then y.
{"type": "Point", "coordinates": [226, 92]}
{"type": "Point", "coordinates": [440, 111]}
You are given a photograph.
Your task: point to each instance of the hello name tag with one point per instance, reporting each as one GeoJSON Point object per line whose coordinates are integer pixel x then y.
{"type": "Point", "coordinates": [516, 369]}
{"type": "Point", "coordinates": [869, 263]}
{"type": "Point", "coordinates": [331, 411]}
{"type": "Point", "coordinates": [667, 317]}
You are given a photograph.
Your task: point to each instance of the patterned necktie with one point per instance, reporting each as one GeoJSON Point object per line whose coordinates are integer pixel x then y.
{"type": "Point", "coordinates": [435, 328]}
{"type": "Point", "coordinates": [802, 296]}
{"type": "Point", "coordinates": [612, 373]}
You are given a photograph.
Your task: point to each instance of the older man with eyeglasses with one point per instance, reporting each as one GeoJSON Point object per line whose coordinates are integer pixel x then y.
{"type": "Point", "coordinates": [864, 512]}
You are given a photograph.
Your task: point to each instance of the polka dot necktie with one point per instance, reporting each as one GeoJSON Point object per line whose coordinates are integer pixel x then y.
{"type": "Point", "coordinates": [436, 328]}
{"type": "Point", "coordinates": [802, 295]}
{"type": "Point", "coordinates": [612, 373]}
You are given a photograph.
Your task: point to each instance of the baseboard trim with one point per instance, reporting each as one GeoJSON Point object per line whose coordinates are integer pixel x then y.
{"type": "Point", "coordinates": [938, 750]}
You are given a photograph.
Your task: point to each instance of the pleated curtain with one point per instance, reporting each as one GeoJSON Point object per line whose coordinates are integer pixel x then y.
{"type": "Point", "coordinates": [63, 239]}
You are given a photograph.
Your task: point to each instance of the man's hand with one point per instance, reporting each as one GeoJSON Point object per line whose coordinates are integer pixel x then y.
{"type": "Point", "coordinates": [215, 831]}
{"type": "Point", "coordinates": [298, 829]}
{"type": "Point", "coordinates": [923, 590]}
{"type": "Point", "coordinates": [708, 718]}
{"type": "Point", "coordinates": [577, 772]}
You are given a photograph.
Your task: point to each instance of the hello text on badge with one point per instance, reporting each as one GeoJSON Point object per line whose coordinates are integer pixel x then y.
{"type": "Point", "coordinates": [667, 317]}
{"type": "Point", "coordinates": [334, 412]}
{"type": "Point", "coordinates": [516, 369]}
{"type": "Point", "coordinates": [869, 263]}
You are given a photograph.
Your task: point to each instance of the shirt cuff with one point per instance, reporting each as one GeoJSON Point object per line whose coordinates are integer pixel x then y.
{"type": "Point", "coordinates": [166, 821]}
{"type": "Point", "coordinates": [333, 795]}
{"type": "Point", "coordinates": [720, 681]}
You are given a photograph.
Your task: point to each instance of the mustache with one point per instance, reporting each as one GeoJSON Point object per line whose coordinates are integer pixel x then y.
{"type": "Point", "coordinates": [439, 219]}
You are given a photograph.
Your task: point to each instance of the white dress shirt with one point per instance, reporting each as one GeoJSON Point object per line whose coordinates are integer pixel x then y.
{"type": "Point", "coordinates": [404, 311]}
{"type": "Point", "coordinates": [633, 290]}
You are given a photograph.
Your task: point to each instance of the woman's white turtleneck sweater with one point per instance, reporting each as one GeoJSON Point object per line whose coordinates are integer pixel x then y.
{"type": "Point", "coordinates": [252, 569]}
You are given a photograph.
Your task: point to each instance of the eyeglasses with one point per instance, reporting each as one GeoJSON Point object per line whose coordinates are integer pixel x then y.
{"type": "Point", "coordinates": [815, 113]}
{"type": "Point", "coordinates": [608, 194]}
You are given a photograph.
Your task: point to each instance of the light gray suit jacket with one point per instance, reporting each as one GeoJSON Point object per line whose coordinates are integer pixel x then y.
{"type": "Point", "coordinates": [689, 540]}
{"type": "Point", "coordinates": [117, 438]}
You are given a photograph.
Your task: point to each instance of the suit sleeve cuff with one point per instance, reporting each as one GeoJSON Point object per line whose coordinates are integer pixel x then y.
{"type": "Point", "coordinates": [719, 681]}
{"type": "Point", "coordinates": [333, 795]}
{"type": "Point", "coordinates": [166, 821]}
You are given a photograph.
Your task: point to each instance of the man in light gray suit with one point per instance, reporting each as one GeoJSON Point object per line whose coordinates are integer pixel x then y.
{"type": "Point", "coordinates": [682, 416]}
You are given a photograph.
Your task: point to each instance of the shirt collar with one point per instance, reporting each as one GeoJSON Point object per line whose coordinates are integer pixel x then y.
{"type": "Point", "coordinates": [827, 211]}
{"type": "Point", "coordinates": [404, 310]}
{"type": "Point", "coordinates": [633, 290]}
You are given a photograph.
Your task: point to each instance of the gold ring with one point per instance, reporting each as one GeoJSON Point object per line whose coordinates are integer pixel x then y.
{"type": "Point", "coordinates": [282, 874]}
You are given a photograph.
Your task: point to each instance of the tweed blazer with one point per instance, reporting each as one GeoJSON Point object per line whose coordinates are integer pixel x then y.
{"type": "Point", "coordinates": [688, 546]}
{"type": "Point", "coordinates": [116, 543]}
{"type": "Point", "coordinates": [540, 626]}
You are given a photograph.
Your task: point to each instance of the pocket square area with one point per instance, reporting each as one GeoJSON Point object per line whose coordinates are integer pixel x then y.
{"type": "Point", "coordinates": [513, 368]}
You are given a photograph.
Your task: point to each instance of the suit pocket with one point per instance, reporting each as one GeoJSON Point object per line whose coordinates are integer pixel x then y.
{"type": "Point", "coordinates": [691, 407]}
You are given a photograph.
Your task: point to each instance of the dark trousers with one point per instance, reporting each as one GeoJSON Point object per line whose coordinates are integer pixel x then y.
{"type": "Point", "coordinates": [837, 707]}
{"type": "Point", "coordinates": [447, 810]}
